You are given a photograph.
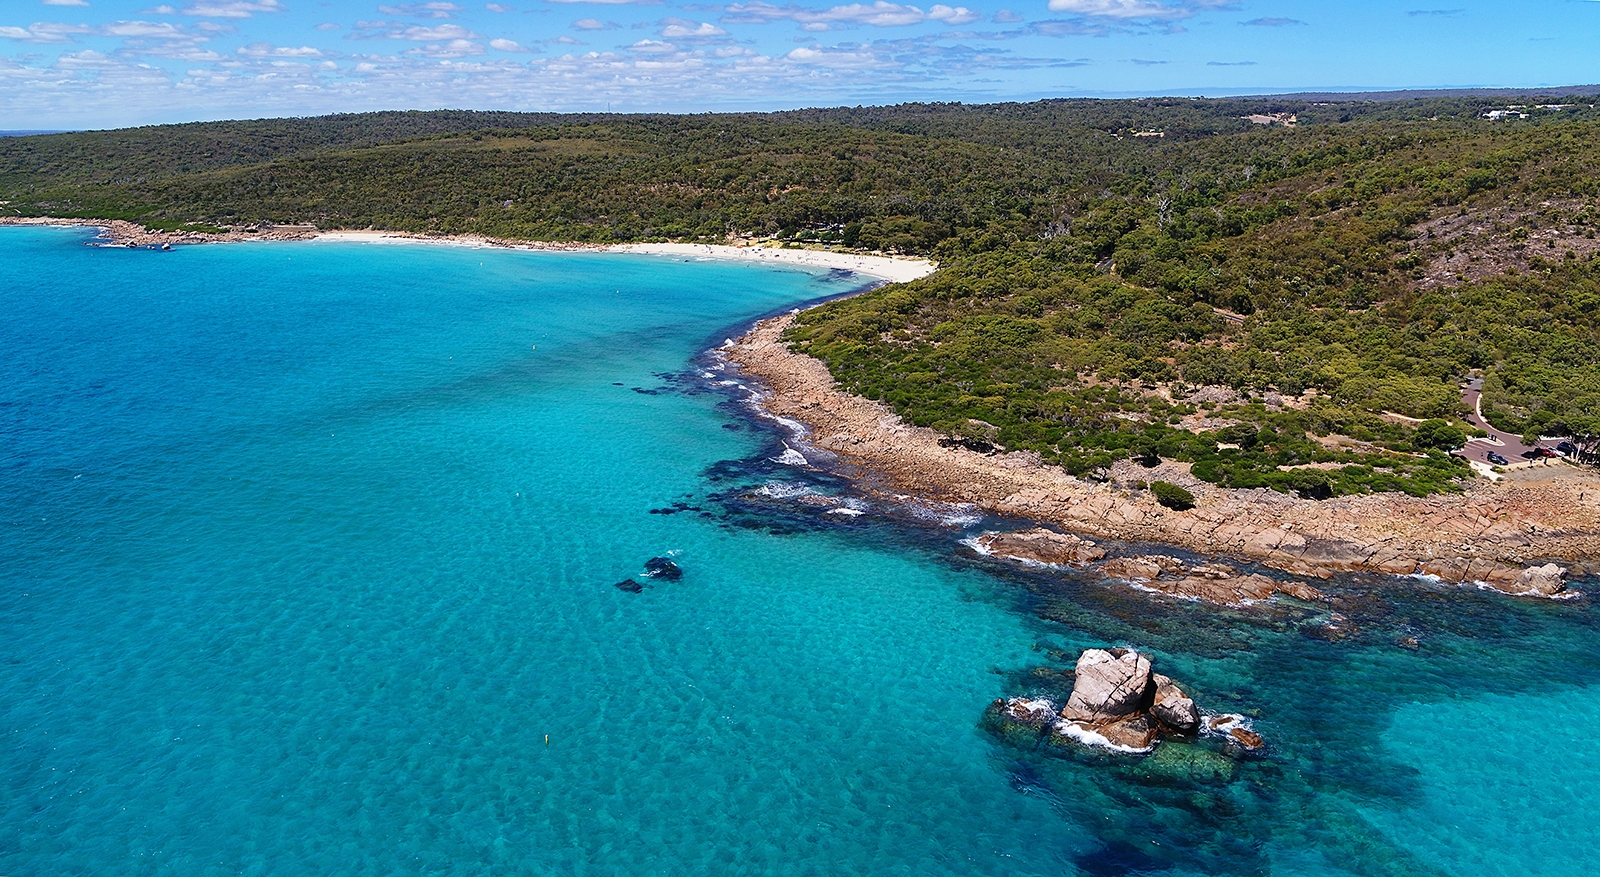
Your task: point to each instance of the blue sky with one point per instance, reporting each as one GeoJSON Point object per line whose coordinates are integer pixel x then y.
{"type": "Point", "coordinates": [110, 63]}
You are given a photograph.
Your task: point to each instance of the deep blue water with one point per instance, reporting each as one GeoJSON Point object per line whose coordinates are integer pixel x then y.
{"type": "Point", "coordinates": [307, 567]}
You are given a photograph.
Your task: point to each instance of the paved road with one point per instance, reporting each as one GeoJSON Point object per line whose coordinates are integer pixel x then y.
{"type": "Point", "coordinates": [1503, 443]}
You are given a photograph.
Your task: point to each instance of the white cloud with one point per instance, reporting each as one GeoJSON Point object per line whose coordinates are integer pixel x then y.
{"type": "Point", "coordinates": [507, 46]}
{"type": "Point", "coordinates": [497, 7]}
{"type": "Point", "coordinates": [231, 8]}
{"type": "Point", "coordinates": [653, 47]}
{"type": "Point", "coordinates": [328, 25]}
{"type": "Point", "coordinates": [448, 50]}
{"type": "Point", "coordinates": [611, 2]}
{"type": "Point", "coordinates": [422, 10]}
{"type": "Point", "coordinates": [267, 50]}
{"type": "Point", "coordinates": [419, 34]}
{"type": "Point", "coordinates": [1134, 9]}
{"type": "Point", "coordinates": [66, 2]}
{"type": "Point", "coordinates": [163, 9]}
{"type": "Point", "coordinates": [688, 29]}
{"type": "Point", "coordinates": [158, 29]}
{"type": "Point", "coordinates": [1006, 16]}
{"type": "Point", "coordinates": [952, 15]}
{"type": "Point", "coordinates": [595, 24]}
{"type": "Point", "coordinates": [44, 32]}
{"type": "Point", "coordinates": [838, 59]}
{"type": "Point", "coordinates": [879, 14]}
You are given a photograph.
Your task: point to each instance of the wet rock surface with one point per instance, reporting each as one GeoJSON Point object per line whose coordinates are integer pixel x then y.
{"type": "Point", "coordinates": [662, 568]}
{"type": "Point", "coordinates": [1041, 546]}
{"type": "Point", "coordinates": [1211, 582]}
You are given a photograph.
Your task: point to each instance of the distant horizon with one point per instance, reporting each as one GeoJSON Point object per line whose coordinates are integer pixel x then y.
{"type": "Point", "coordinates": [96, 64]}
{"type": "Point", "coordinates": [1330, 94]}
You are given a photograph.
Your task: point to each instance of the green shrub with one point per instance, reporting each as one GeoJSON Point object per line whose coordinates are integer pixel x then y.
{"type": "Point", "coordinates": [1172, 496]}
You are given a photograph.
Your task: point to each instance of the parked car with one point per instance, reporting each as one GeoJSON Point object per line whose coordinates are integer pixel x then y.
{"type": "Point", "coordinates": [1497, 459]}
{"type": "Point", "coordinates": [1567, 448]}
{"type": "Point", "coordinates": [1544, 452]}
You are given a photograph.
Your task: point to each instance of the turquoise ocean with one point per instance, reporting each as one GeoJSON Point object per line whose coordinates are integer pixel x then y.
{"type": "Point", "coordinates": [309, 557]}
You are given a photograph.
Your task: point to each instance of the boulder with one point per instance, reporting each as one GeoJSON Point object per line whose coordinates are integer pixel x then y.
{"type": "Point", "coordinates": [1173, 708]}
{"type": "Point", "coordinates": [1247, 738]}
{"type": "Point", "coordinates": [1041, 546]}
{"type": "Point", "coordinates": [1232, 591]}
{"type": "Point", "coordinates": [1234, 729]}
{"type": "Point", "coordinates": [631, 586]}
{"type": "Point", "coordinates": [1135, 733]}
{"type": "Point", "coordinates": [662, 568]}
{"type": "Point", "coordinates": [1546, 580]}
{"type": "Point", "coordinates": [1033, 713]}
{"type": "Point", "coordinates": [1110, 684]}
{"type": "Point", "coordinates": [1139, 569]}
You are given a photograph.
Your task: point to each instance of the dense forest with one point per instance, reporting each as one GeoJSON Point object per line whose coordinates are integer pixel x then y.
{"type": "Point", "coordinates": [1283, 293]}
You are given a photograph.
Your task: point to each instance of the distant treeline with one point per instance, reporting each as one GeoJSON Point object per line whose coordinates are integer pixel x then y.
{"type": "Point", "coordinates": [1103, 261]}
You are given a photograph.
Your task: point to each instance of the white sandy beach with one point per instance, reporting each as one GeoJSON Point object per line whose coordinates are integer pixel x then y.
{"type": "Point", "coordinates": [892, 268]}
{"type": "Point", "coordinates": [895, 269]}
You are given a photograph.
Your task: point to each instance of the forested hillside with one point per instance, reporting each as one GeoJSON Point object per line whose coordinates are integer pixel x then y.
{"type": "Point", "coordinates": [1291, 306]}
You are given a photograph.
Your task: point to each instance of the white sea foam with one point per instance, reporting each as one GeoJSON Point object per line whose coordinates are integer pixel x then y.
{"type": "Point", "coordinates": [1222, 724]}
{"type": "Point", "coordinates": [784, 490]}
{"type": "Point", "coordinates": [791, 457]}
{"type": "Point", "coordinates": [847, 512]}
{"type": "Point", "coordinates": [1091, 737]}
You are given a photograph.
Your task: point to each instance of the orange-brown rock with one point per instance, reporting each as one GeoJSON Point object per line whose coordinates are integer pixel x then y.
{"type": "Point", "coordinates": [1536, 514]}
{"type": "Point", "coordinates": [1041, 546]}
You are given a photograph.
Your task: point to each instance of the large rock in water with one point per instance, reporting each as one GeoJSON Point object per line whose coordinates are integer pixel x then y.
{"type": "Point", "coordinates": [1041, 546]}
{"type": "Point", "coordinates": [1111, 684]}
{"type": "Point", "coordinates": [1172, 707]}
{"type": "Point", "coordinates": [1547, 580]}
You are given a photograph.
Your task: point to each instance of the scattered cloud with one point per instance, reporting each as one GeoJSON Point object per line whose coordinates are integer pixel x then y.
{"type": "Point", "coordinates": [1230, 63]}
{"type": "Point", "coordinates": [267, 50]}
{"type": "Point", "coordinates": [1143, 63]}
{"type": "Point", "coordinates": [595, 24]}
{"type": "Point", "coordinates": [163, 9]}
{"type": "Point", "coordinates": [416, 33]}
{"type": "Point", "coordinates": [66, 2]}
{"type": "Point", "coordinates": [611, 2]}
{"type": "Point", "coordinates": [500, 45]}
{"type": "Point", "coordinates": [158, 29]}
{"type": "Point", "coordinates": [44, 32]}
{"type": "Point", "coordinates": [1006, 16]}
{"type": "Point", "coordinates": [328, 25]}
{"type": "Point", "coordinates": [1059, 27]}
{"type": "Point", "coordinates": [880, 14]}
{"type": "Point", "coordinates": [422, 10]}
{"type": "Point", "coordinates": [1438, 13]}
{"type": "Point", "coordinates": [1272, 22]}
{"type": "Point", "coordinates": [451, 49]}
{"type": "Point", "coordinates": [231, 8]}
{"type": "Point", "coordinates": [854, 58]}
{"type": "Point", "coordinates": [1134, 9]}
{"type": "Point", "coordinates": [676, 29]}
{"type": "Point", "coordinates": [652, 47]}
{"type": "Point", "coordinates": [497, 7]}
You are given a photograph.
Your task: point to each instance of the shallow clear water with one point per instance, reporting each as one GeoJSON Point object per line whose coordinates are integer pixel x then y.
{"type": "Point", "coordinates": [308, 561]}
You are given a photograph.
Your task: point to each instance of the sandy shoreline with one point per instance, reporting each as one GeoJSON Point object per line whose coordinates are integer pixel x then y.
{"type": "Point", "coordinates": [1487, 534]}
{"type": "Point", "coordinates": [895, 269]}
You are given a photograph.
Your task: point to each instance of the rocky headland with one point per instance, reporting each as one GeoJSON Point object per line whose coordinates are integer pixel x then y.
{"type": "Point", "coordinates": [1521, 535]}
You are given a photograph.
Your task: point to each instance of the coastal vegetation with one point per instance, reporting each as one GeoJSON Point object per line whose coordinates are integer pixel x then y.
{"type": "Point", "coordinates": [1288, 306]}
